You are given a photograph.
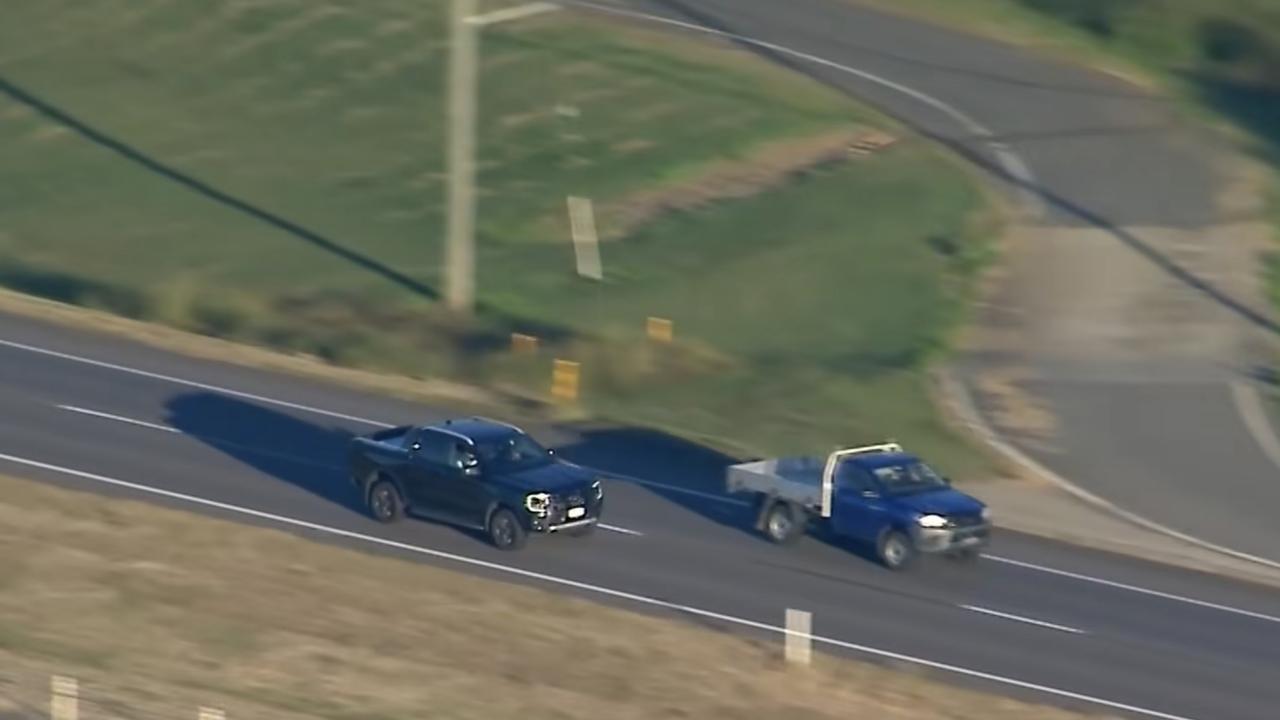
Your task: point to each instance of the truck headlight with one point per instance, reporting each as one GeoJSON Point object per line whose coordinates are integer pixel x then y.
{"type": "Point", "coordinates": [537, 503]}
{"type": "Point", "coordinates": [932, 521]}
{"type": "Point", "coordinates": [986, 514]}
{"type": "Point", "coordinates": [597, 489]}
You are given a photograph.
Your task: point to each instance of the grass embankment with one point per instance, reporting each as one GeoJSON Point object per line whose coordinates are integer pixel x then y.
{"type": "Point", "coordinates": [156, 611]}
{"type": "Point", "coordinates": [282, 184]}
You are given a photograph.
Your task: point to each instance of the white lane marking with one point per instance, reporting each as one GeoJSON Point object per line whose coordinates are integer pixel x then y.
{"type": "Point", "coordinates": [1136, 589]}
{"type": "Point", "coordinates": [1022, 619]}
{"type": "Point", "coordinates": [191, 383]}
{"type": "Point", "coordinates": [296, 406]}
{"type": "Point", "coordinates": [1013, 165]}
{"type": "Point", "coordinates": [622, 530]}
{"type": "Point", "coordinates": [260, 451]}
{"type": "Point", "coordinates": [118, 418]}
{"type": "Point", "coordinates": [597, 589]}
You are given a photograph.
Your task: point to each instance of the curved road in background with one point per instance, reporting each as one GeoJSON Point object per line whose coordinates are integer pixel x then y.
{"type": "Point", "coordinates": [1036, 618]}
{"type": "Point", "coordinates": [1119, 348]}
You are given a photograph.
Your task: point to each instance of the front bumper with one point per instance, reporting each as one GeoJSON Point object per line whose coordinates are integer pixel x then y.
{"type": "Point", "coordinates": [571, 525]}
{"type": "Point", "coordinates": [941, 540]}
{"type": "Point", "coordinates": [558, 517]}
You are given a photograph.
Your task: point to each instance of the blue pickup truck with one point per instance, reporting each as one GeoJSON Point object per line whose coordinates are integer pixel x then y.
{"type": "Point", "coordinates": [879, 494]}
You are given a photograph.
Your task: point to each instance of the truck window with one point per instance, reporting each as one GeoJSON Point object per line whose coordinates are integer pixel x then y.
{"type": "Point", "coordinates": [437, 448]}
{"type": "Point", "coordinates": [851, 478]}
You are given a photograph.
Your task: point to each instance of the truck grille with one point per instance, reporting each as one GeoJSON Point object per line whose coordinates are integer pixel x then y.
{"type": "Point", "coordinates": [557, 511]}
{"type": "Point", "coordinates": [965, 521]}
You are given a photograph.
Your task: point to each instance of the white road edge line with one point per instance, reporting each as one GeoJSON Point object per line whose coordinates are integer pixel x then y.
{"type": "Point", "coordinates": [1135, 589]}
{"type": "Point", "coordinates": [1012, 163]}
{"type": "Point", "coordinates": [1022, 619]}
{"type": "Point", "coordinates": [597, 589]}
{"type": "Point", "coordinates": [118, 418]}
{"type": "Point", "coordinates": [270, 453]}
{"type": "Point", "coordinates": [191, 383]}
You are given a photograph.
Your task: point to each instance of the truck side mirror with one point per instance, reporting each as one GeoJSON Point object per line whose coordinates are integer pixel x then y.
{"type": "Point", "coordinates": [469, 464]}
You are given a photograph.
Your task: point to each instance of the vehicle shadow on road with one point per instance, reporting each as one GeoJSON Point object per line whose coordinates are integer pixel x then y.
{"type": "Point", "coordinates": [679, 471]}
{"type": "Point", "coordinates": [684, 473]}
{"type": "Point", "coordinates": [306, 455]}
{"type": "Point", "coordinates": [312, 457]}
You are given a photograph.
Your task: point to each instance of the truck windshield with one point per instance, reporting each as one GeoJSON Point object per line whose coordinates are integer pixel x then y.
{"type": "Point", "coordinates": [909, 478]}
{"type": "Point", "coordinates": [513, 452]}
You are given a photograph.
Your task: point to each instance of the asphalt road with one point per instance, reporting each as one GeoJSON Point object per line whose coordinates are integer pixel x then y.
{"type": "Point", "coordinates": [1037, 618]}
{"type": "Point", "coordinates": [1130, 312]}
{"type": "Point", "coordinates": [1035, 612]}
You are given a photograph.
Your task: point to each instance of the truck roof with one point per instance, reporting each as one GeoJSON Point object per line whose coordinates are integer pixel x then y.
{"type": "Point", "coordinates": [872, 461]}
{"type": "Point", "coordinates": [476, 428]}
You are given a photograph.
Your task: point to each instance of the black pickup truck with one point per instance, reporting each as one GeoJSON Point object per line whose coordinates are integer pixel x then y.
{"type": "Point", "coordinates": [477, 473]}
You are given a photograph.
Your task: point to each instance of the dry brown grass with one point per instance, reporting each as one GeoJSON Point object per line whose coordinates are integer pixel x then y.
{"type": "Point", "coordinates": [767, 167]}
{"type": "Point", "coordinates": [157, 611]}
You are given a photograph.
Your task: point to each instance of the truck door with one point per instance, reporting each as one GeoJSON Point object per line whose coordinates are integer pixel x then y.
{"type": "Point", "coordinates": [857, 510]}
{"type": "Point", "coordinates": [465, 497]}
{"type": "Point", "coordinates": [424, 480]}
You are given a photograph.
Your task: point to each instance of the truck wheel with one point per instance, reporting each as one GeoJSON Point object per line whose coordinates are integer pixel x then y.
{"type": "Point", "coordinates": [781, 524]}
{"type": "Point", "coordinates": [505, 531]}
{"type": "Point", "coordinates": [895, 550]}
{"type": "Point", "coordinates": [385, 503]}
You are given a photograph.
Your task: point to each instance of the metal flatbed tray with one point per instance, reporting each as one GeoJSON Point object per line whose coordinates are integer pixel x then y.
{"type": "Point", "coordinates": [798, 479]}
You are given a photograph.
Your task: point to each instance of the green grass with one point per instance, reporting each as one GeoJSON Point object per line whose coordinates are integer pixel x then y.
{"type": "Point", "coordinates": [252, 170]}
{"type": "Point", "coordinates": [335, 124]}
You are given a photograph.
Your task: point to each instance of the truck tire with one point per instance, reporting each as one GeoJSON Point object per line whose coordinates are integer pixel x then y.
{"type": "Point", "coordinates": [385, 504]}
{"type": "Point", "coordinates": [782, 524]}
{"type": "Point", "coordinates": [895, 550]}
{"type": "Point", "coordinates": [505, 531]}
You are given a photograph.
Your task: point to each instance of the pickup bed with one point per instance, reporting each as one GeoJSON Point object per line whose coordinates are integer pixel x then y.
{"type": "Point", "coordinates": [877, 494]}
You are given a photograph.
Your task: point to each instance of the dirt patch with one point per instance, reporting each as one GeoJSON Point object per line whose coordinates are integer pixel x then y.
{"type": "Point", "coordinates": [156, 612]}
{"type": "Point", "coordinates": [1015, 410]}
{"type": "Point", "coordinates": [767, 167]}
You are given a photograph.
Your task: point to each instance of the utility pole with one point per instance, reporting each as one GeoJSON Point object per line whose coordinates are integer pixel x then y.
{"type": "Point", "coordinates": [460, 239]}
{"type": "Point", "coordinates": [460, 252]}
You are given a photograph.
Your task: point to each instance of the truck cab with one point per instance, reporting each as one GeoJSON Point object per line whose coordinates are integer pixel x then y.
{"type": "Point", "coordinates": [902, 506]}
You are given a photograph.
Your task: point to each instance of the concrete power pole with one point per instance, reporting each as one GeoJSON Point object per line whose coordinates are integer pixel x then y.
{"type": "Point", "coordinates": [460, 254]}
